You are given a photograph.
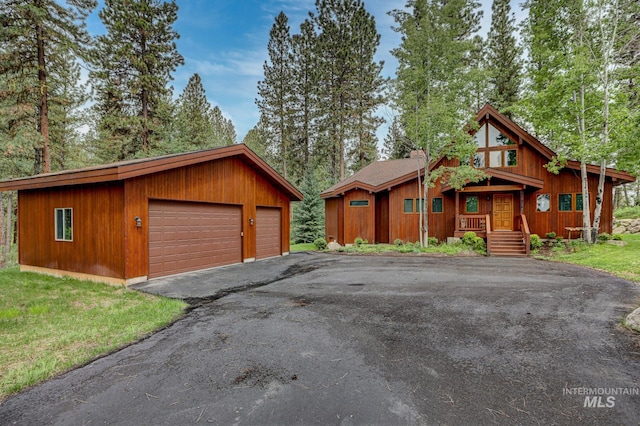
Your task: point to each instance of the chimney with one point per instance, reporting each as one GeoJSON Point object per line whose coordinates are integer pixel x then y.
{"type": "Point", "coordinates": [418, 154]}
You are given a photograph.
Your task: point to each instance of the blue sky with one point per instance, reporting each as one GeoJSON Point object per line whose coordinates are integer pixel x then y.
{"type": "Point", "coordinates": [225, 41]}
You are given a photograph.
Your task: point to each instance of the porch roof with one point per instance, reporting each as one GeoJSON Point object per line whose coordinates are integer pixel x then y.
{"type": "Point", "coordinates": [515, 179]}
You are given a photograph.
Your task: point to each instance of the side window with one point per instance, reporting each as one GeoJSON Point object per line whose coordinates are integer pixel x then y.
{"type": "Point", "coordinates": [579, 202]}
{"type": "Point", "coordinates": [436, 205]}
{"type": "Point", "coordinates": [64, 224]}
{"type": "Point", "coordinates": [543, 203]}
{"type": "Point", "coordinates": [408, 205]}
{"type": "Point", "coordinates": [565, 202]}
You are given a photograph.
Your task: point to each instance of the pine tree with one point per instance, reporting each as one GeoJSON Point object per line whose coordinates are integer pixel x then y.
{"type": "Point", "coordinates": [308, 215]}
{"type": "Point", "coordinates": [367, 94]}
{"type": "Point", "coordinates": [257, 139]}
{"type": "Point", "coordinates": [37, 38]}
{"type": "Point", "coordinates": [224, 133]}
{"type": "Point", "coordinates": [346, 42]}
{"type": "Point", "coordinates": [396, 143]}
{"type": "Point", "coordinates": [132, 66]}
{"type": "Point", "coordinates": [275, 90]}
{"type": "Point", "coordinates": [436, 86]}
{"type": "Point", "coordinates": [304, 103]}
{"type": "Point", "coordinates": [194, 129]}
{"type": "Point", "coordinates": [504, 61]}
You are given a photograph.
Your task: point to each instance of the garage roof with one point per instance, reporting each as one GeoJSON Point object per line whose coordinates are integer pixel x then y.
{"type": "Point", "coordinates": [133, 168]}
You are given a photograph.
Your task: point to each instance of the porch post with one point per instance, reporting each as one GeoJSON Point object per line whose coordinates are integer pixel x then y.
{"type": "Point", "coordinates": [457, 228]}
{"type": "Point", "coordinates": [521, 201]}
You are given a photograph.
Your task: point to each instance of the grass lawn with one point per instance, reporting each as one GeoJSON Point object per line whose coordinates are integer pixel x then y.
{"type": "Point", "coordinates": [49, 325]}
{"type": "Point", "coordinates": [624, 261]}
{"type": "Point", "coordinates": [303, 247]}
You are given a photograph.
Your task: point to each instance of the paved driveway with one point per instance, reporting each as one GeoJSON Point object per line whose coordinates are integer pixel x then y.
{"type": "Point", "coordinates": [368, 340]}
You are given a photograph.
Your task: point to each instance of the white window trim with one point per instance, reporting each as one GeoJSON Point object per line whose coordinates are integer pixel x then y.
{"type": "Point", "coordinates": [55, 221]}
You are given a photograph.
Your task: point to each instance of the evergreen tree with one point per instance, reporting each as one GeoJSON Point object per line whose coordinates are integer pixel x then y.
{"type": "Point", "coordinates": [224, 133]}
{"type": "Point", "coordinates": [194, 129]}
{"type": "Point", "coordinates": [346, 42]}
{"type": "Point", "coordinates": [396, 143]}
{"type": "Point", "coordinates": [308, 215]}
{"type": "Point", "coordinates": [304, 104]}
{"type": "Point", "coordinates": [503, 58]}
{"type": "Point", "coordinates": [257, 139]}
{"type": "Point", "coordinates": [367, 93]}
{"type": "Point", "coordinates": [132, 66]}
{"type": "Point", "coordinates": [435, 86]}
{"type": "Point", "coordinates": [37, 37]}
{"type": "Point", "coordinates": [275, 90]}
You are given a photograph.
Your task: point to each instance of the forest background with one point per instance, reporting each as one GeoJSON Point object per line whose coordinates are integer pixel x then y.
{"type": "Point", "coordinates": [568, 73]}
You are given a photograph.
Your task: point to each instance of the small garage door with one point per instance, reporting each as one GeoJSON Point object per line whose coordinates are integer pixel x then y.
{"type": "Point", "coordinates": [268, 232]}
{"type": "Point", "coordinates": [190, 236]}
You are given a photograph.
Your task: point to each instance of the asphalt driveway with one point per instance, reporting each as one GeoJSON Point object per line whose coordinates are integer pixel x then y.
{"type": "Point", "coordinates": [327, 339]}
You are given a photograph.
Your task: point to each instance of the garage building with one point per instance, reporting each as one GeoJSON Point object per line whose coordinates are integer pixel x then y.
{"type": "Point", "coordinates": [130, 221]}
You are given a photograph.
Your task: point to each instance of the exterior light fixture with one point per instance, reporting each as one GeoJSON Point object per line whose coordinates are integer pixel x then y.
{"type": "Point", "coordinates": [138, 222]}
{"type": "Point", "coordinates": [251, 221]}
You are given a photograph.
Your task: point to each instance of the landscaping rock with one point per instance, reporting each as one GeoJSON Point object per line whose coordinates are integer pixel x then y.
{"type": "Point", "coordinates": [333, 246]}
{"type": "Point", "coordinates": [617, 243]}
{"type": "Point", "coordinates": [633, 320]}
{"type": "Point", "coordinates": [626, 226]}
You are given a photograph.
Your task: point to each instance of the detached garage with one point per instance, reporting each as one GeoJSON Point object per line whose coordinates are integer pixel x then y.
{"type": "Point", "coordinates": [130, 221]}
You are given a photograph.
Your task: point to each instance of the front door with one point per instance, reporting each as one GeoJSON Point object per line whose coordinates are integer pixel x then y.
{"type": "Point", "coordinates": [503, 212]}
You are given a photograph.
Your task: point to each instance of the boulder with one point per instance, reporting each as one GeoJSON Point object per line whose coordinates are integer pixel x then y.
{"type": "Point", "coordinates": [633, 320]}
{"type": "Point", "coordinates": [333, 246]}
{"type": "Point", "coordinates": [619, 230]}
{"type": "Point", "coordinates": [617, 243]}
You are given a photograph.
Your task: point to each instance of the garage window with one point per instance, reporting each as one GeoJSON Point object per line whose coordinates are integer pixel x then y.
{"type": "Point", "coordinates": [359, 203]}
{"type": "Point", "coordinates": [64, 224]}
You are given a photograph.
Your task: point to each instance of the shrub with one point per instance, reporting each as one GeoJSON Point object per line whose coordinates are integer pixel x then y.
{"type": "Point", "coordinates": [550, 235]}
{"type": "Point", "coordinates": [433, 241]}
{"type": "Point", "coordinates": [398, 242]}
{"type": "Point", "coordinates": [604, 237]}
{"type": "Point", "coordinates": [471, 240]}
{"type": "Point", "coordinates": [468, 238]}
{"type": "Point", "coordinates": [616, 237]}
{"type": "Point", "coordinates": [535, 242]}
{"type": "Point", "coordinates": [320, 243]}
{"type": "Point", "coordinates": [559, 239]}
{"type": "Point", "coordinates": [358, 241]}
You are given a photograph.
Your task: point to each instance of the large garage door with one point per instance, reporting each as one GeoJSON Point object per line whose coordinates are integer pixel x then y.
{"type": "Point", "coordinates": [189, 236]}
{"type": "Point", "coordinates": [268, 232]}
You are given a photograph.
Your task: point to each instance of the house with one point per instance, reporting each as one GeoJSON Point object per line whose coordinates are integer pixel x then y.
{"type": "Point", "coordinates": [130, 221]}
{"type": "Point", "coordinates": [381, 202]}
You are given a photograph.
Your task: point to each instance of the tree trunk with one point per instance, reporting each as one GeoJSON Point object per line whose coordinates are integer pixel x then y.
{"type": "Point", "coordinates": [627, 202]}
{"type": "Point", "coordinates": [599, 200]}
{"type": "Point", "coordinates": [2, 234]}
{"type": "Point", "coordinates": [586, 213]}
{"type": "Point", "coordinates": [425, 199]}
{"type": "Point", "coordinates": [44, 103]}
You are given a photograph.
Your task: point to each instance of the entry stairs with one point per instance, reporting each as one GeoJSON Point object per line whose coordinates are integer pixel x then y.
{"type": "Point", "coordinates": [507, 243]}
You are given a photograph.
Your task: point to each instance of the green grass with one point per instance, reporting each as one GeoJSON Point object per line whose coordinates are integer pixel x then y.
{"type": "Point", "coordinates": [303, 247]}
{"type": "Point", "coordinates": [623, 262]}
{"type": "Point", "coordinates": [408, 248]}
{"type": "Point", "coordinates": [627, 213]}
{"type": "Point", "coordinates": [49, 325]}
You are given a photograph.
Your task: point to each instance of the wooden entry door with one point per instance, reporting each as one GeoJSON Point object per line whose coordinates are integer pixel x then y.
{"type": "Point", "coordinates": [503, 212]}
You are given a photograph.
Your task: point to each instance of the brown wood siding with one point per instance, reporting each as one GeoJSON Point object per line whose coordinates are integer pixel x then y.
{"type": "Point", "coordinates": [268, 235]}
{"type": "Point", "coordinates": [190, 236]}
{"type": "Point", "coordinates": [97, 247]}
{"type": "Point", "coordinates": [331, 219]}
{"type": "Point", "coordinates": [403, 226]}
{"type": "Point", "coordinates": [359, 221]}
{"type": "Point", "coordinates": [225, 181]}
{"type": "Point", "coordinates": [382, 217]}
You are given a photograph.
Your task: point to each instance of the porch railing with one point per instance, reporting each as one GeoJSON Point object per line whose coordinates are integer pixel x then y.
{"type": "Point", "coordinates": [471, 222]}
{"type": "Point", "coordinates": [525, 233]}
{"type": "Point", "coordinates": [489, 242]}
